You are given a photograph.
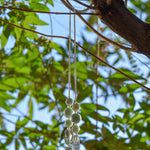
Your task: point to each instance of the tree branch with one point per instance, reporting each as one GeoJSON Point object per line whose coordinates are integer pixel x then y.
{"type": "Point", "coordinates": [69, 6]}
{"type": "Point", "coordinates": [97, 58]}
{"type": "Point", "coordinates": [117, 17]}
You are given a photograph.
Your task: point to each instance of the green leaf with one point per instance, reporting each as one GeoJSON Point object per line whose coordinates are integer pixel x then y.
{"type": "Point", "coordinates": [5, 96]}
{"type": "Point", "coordinates": [50, 147]}
{"type": "Point", "coordinates": [23, 70]}
{"type": "Point", "coordinates": [129, 88]}
{"type": "Point", "coordinates": [5, 87]}
{"type": "Point", "coordinates": [58, 66]}
{"type": "Point", "coordinates": [146, 107]}
{"type": "Point", "coordinates": [39, 6]}
{"type": "Point", "coordinates": [34, 20]}
{"type": "Point", "coordinates": [17, 144]}
{"type": "Point", "coordinates": [21, 123]}
{"type": "Point", "coordinates": [51, 2]}
{"type": "Point", "coordinates": [56, 47]}
{"type": "Point", "coordinates": [17, 31]}
{"type": "Point", "coordinates": [30, 108]}
{"type": "Point", "coordinates": [88, 127]}
{"type": "Point", "coordinates": [4, 105]}
{"type": "Point", "coordinates": [132, 101]}
{"type": "Point", "coordinates": [119, 77]}
{"type": "Point", "coordinates": [31, 35]}
{"type": "Point", "coordinates": [23, 141]}
{"type": "Point", "coordinates": [15, 82]}
{"type": "Point", "coordinates": [137, 117]}
{"type": "Point", "coordinates": [89, 107]}
{"type": "Point", "coordinates": [83, 93]}
{"type": "Point", "coordinates": [5, 34]}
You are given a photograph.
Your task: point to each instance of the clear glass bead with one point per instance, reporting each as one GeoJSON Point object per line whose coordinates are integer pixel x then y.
{"type": "Point", "coordinates": [68, 148]}
{"type": "Point", "coordinates": [76, 142]}
{"type": "Point", "coordinates": [68, 136]}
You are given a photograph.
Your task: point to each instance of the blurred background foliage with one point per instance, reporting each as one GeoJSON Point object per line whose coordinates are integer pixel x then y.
{"type": "Point", "coordinates": [34, 69]}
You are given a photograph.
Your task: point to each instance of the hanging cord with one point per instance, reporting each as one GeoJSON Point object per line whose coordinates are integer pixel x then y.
{"type": "Point", "coordinates": [97, 66]}
{"type": "Point", "coordinates": [69, 6]}
{"type": "Point", "coordinates": [69, 60]}
{"type": "Point", "coordinates": [125, 2]}
{"type": "Point", "coordinates": [75, 61]}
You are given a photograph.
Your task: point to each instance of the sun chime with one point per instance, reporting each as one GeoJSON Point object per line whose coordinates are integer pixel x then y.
{"type": "Point", "coordinates": [71, 112]}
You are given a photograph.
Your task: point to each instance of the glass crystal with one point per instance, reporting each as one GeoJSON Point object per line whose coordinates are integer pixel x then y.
{"type": "Point", "coordinates": [68, 137]}
{"type": "Point", "coordinates": [68, 148]}
{"type": "Point", "coordinates": [76, 142]}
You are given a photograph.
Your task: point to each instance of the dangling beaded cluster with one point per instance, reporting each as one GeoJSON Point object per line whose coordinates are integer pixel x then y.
{"type": "Point", "coordinates": [68, 113]}
{"type": "Point", "coordinates": [76, 118]}
{"type": "Point", "coordinates": [71, 112]}
{"type": "Point", "coordinates": [73, 118]}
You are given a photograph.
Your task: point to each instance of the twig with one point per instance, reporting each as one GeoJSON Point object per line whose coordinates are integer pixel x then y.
{"type": "Point", "coordinates": [62, 37]}
{"type": "Point", "coordinates": [45, 12]}
{"type": "Point", "coordinates": [88, 6]}
{"type": "Point", "coordinates": [79, 15]}
{"type": "Point", "coordinates": [69, 6]}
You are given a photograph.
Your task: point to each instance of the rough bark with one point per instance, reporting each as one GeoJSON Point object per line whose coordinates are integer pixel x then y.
{"type": "Point", "coordinates": [116, 16]}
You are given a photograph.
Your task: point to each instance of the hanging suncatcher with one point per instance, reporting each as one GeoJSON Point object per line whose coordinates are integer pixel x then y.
{"type": "Point", "coordinates": [71, 112]}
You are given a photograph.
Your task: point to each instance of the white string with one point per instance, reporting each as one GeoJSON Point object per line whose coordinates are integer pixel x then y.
{"type": "Point", "coordinates": [69, 60]}
{"type": "Point", "coordinates": [97, 65]}
{"type": "Point", "coordinates": [75, 64]}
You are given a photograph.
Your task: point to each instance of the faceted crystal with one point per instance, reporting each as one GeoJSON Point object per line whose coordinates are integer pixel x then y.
{"type": "Point", "coordinates": [68, 148]}
{"type": "Point", "coordinates": [76, 142]}
{"type": "Point", "coordinates": [68, 137]}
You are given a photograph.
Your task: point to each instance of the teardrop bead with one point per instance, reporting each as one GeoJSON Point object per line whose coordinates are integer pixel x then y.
{"type": "Point", "coordinates": [68, 137]}
{"type": "Point", "coordinates": [68, 148]}
{"type": "Point", "coordinates": [76, 142]}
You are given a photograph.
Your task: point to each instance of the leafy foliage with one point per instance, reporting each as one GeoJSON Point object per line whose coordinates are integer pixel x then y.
{"type": "Point", "coordinates": [32, 76]}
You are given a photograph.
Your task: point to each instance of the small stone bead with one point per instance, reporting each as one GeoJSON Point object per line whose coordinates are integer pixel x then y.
{"type": "Point", "coordinates": [69, 102]}
{"type": "Point", "coordinates": [68, 112]}
{"type": "Point", "coordinates": [68, 123]}
{"type": "Point", "coordinates": [76, 118]}
{"type": "Point", "coordinates": [76, 107]}
{"type": "Point", "coordinates": [75, 129]}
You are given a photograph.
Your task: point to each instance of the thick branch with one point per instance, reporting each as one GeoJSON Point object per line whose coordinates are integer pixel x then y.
{"type": "Point", "coordinates": [117, 17]}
